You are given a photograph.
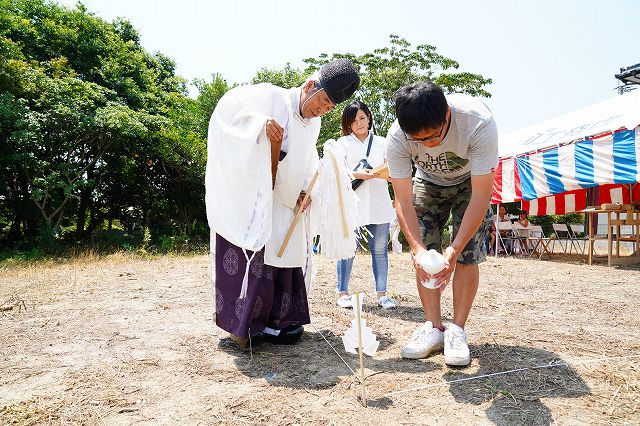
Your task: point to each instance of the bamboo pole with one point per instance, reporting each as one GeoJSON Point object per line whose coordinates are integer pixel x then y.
{"type": "Point", "coordinates": [363, 395]}
{"type": "Point", "coordinates": [298, 215]}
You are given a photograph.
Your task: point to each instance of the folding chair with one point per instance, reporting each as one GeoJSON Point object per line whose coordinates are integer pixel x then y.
{"type": "Point", "coordinates": [521, 236]}
{"type": "Point", "coordinates": [504, 234]}
{"type": "Point", "coordinates": [540, 243]}
{"type": "Point", "coordinates": [562, 234]}
{"type": "Point", "coordinates": [577, 235]}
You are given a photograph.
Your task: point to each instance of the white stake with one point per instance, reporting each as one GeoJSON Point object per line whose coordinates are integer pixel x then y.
{"type": "Point", "coordinates": [363, 396]}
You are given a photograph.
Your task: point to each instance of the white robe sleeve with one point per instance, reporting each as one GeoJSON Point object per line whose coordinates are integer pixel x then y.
{"type": "Point", "coordinates": [238, 173]}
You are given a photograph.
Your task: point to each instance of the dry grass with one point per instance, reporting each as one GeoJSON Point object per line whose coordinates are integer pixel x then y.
{"type": "Point", "coordinates": [123, 339]}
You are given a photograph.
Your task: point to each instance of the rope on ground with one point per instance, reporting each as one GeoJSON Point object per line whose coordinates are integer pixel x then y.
{"type": "Point", "coordinates": [517, 370]}
{"type": "Point", "coordinates": [334, 349]}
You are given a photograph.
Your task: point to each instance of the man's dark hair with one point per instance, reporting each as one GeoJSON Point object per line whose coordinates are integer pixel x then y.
{"type": "Point", "coordinates": [349, 115]}
{"type": "Point", "coordinates": [420, 106]}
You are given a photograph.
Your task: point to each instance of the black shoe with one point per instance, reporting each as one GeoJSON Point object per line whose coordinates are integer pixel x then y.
{"type": "Point", "coordinates": [287, 336]}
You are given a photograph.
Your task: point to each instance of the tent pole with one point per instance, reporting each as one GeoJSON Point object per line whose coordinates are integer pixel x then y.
{"type": "Point", "coordinates": [495, 252]}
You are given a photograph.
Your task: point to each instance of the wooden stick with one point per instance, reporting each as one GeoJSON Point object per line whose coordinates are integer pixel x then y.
{"type": "Point", "coordinates": [345, 228]}
{"type": "Point", "coordinates": [298, 214]}
{"type": "Point", "coordinates": [363, 395]}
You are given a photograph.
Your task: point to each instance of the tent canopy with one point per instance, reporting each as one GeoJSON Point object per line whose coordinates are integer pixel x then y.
{"type": "Point", "coordinates": [606, 116]}
{"type": "Point", "coordinates": [590, 147]}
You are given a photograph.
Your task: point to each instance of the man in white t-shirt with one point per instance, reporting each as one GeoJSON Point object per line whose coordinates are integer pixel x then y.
{"type": "Point", "coordinates": [453, 143]}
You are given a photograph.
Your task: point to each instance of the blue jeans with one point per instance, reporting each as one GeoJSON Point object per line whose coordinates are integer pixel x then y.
{"type": "Point", "coordinates": [378, 242]}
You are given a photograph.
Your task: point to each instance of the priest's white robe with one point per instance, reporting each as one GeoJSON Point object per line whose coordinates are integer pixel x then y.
{"type": "Point", "coordinates": [241, 205]}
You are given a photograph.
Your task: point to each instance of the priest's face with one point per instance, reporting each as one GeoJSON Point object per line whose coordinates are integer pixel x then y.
{"type": "Point", "coordinates": [314, 102]}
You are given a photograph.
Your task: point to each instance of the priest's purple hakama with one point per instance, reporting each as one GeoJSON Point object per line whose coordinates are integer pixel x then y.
{"type": "Point", "coordinates": [276, 297]}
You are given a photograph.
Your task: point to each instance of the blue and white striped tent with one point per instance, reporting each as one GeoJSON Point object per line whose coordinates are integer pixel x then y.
{"type": "Point", "coordinates": [551, 164]}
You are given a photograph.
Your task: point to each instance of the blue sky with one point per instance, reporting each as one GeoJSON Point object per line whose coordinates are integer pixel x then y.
{"type": "Point", "coordinates": [546, 57]}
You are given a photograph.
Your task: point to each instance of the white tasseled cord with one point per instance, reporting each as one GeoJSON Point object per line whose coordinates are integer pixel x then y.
{"type": "Point", "coordinates": [245, 279]}
{"type": "Point", "coordinates": [335, 183]}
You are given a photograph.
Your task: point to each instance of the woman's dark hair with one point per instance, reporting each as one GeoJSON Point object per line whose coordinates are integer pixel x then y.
{"type": "Point", "coordinates": [420, 106]}
{"type": "Point", "coordinates": [349, 115]}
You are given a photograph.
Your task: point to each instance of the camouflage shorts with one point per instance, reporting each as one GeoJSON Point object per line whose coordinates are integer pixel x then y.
{"type": "Point", "coordinates": [434, 204]}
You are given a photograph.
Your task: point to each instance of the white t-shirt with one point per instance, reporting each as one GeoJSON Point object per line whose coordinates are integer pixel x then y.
{"type": "Point", "coordinates": [375, 205]}
{"type": "Point", "coordinates": [469, 148]}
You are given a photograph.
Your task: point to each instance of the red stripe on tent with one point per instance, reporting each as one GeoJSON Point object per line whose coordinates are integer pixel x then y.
{"type": "Point", "coordinates": [516, 178]}
{"type": "Point", "coordinates": [496, 196]}
{"type": "Point", "coordinates": [581, 199]}
{"type": "Point", "coordinates": [542, 206]}
{"type": "Point", "coordinates": [560, 201]}
{"type": "Point", "coordinates": [604, 194]}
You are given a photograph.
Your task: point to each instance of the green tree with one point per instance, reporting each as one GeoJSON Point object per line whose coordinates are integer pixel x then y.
{"type": "Point", "coordinates": [382, 73]}
{"type": "Point", "coordinates": [209, 93]}
{"type": "Point", "coordinates": [387, 69]}
{"type": "Point", "coordinates": [287, 77]}
{"type": "Point", "coordinates": [79, 98]}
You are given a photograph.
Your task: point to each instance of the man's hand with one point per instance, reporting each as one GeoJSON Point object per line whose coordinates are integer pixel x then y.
{"type": "Point", "coordinates": [450, 259]}
{"type": "Point", "coordinates": [300, 199]}
{"type": "Point", "coordinates": [422, 274]}
{"type": "Point", "coordinates": [274, 132]}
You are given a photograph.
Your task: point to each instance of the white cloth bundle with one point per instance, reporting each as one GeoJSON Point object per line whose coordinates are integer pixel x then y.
{"type": "Point", "coordinates": [334, 184]}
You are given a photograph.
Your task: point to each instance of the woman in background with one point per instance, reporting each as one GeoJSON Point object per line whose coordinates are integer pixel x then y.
{"type": "Point", "coordinates": [375, 210]}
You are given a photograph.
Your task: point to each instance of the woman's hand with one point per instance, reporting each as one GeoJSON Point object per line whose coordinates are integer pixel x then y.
{"type": "Point", "coordinates": [365, 174]}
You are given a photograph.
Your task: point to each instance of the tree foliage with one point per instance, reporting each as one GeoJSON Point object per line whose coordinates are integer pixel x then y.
{"type": "Point", "coordinates": [93, 127]}
{"type": "Point", "coordinates": [387, 69]}
{"type": "Point", "coordinates": [96, 133]}
{"type": "Point", "coordinates": [382, 73]}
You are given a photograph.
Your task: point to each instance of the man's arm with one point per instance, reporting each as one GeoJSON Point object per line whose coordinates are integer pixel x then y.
{"type": "Point", "coordinates": [481, 188]}
{"type": "Point", "coordinates": [408, 219]}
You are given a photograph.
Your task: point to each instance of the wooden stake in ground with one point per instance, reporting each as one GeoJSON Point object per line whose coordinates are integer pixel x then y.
{"type": "Point", "coordinates": [363, 395]}
{"type": "Point", "coordinates": [298, 214]}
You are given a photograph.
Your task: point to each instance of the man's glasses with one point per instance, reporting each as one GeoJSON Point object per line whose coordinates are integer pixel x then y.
{"type": "Point", "coordinates": [428, 138]}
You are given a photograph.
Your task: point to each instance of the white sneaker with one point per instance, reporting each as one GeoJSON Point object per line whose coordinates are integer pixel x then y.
{"type": "Point", "coordinates": [387, 302]}
{"type": "Point", "coordinates": [345, 301]}
{"type": "Point", "coordinates": [424, 340]}
{"type": "Point", "coordinates": [456, 349]}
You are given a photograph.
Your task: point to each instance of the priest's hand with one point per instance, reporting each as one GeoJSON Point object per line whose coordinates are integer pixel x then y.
{"type": "Point", "coordinates": [274, 132]}
{"type": "Point", "coordinates": [301, 198]}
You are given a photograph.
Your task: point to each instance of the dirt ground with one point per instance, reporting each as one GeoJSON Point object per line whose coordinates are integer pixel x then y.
{"type": "Point", "coordinates": [125, 340]}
